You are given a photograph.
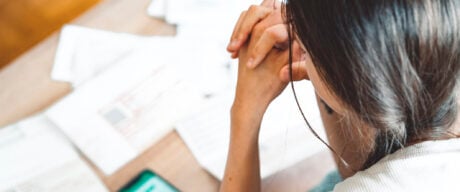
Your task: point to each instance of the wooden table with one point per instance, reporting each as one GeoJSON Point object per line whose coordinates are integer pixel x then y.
{"type": "Point", "coordinates": [26, 89]}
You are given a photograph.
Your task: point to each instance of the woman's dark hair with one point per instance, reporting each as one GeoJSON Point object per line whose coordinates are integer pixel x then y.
{"type": "Point", "coordinates": [393, 63]}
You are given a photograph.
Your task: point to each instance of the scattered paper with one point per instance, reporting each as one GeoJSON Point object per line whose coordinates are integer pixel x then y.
{"type": "Point", "coordinates": [205, 65]}
{"type": "Point", "coordinates": [125, 110]}
{"type": "Point", "coordinates": [284, 139]}
{"type": "Point", "coordinates": [180, 11]}
{"type": "Point", "coordinates": [36, 157]}
{"type": "Point", "coordinates": [203, 30]}
{"type": "Point", "coordinates": [209, 18]}
{"type": "Point", "coordinates": [84, 52]}
{"type": "Point", "coordinates": [132, 105]}
{"type": "Point", "coordinates": [132, 90]}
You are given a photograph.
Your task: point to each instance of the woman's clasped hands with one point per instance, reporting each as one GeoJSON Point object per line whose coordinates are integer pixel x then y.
{"type": "Point", "coordinates": [260, 41]}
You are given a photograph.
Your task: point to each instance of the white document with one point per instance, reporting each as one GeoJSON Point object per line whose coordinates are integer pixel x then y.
{"type": "Point", "coordinates": [120, 113]}
{"type": "Point", "coordinates": [84, 52]}
{"type": "Point", "coordinates": [203, 31]}
{"type": "Point", "coordinates": [34, 156]}
{"type": "Point", "coordinates": [190, 11]}
{"type": "Point", "coordinates": [204, 64]}
{"type": "Point", "coordinates": [284, 139]}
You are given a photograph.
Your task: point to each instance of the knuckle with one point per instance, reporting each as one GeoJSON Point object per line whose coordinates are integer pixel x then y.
{"type": "Point", "coordinates": [244, 32]}
{"type": "Point", "coordinates": [265, 10]}
{"type": "Point", "coordinates": [242, 13]}
{"type": "Point", "coordinates": [253, 8]}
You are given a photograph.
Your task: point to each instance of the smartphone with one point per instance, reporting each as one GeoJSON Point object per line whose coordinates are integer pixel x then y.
{"type": "Point", "coordinates": [148, 181]}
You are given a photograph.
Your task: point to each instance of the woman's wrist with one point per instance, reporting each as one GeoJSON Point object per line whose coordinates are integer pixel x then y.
{"type": "Point", "coordinates": [246, 119]}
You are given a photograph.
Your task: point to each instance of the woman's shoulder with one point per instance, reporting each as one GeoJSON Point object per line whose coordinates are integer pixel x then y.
{"type": "Point", "coordinates": [427, 166]}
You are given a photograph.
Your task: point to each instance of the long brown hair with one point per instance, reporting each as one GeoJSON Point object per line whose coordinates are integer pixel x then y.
{"type": "Point", "coordinates": [393, 63]}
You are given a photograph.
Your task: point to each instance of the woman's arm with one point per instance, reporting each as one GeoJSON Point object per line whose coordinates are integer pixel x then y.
{"type": "Point", "coordinates": [255, 89]}
{"type": "Point", "coordinates": [242, 171]}
{"type": "Point", "coordinates": [257, 86]}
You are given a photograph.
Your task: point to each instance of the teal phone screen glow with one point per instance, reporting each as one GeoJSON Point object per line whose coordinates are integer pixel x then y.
{"type": "Point", "coordinates": [147, 181]}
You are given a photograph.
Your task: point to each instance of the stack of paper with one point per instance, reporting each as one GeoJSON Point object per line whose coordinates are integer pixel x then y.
{"type": "Point", "coordinates": [36, 157]}
{"type": "Point", "coordinates": [131, 90]}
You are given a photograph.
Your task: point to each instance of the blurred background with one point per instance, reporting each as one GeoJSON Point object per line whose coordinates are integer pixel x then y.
{"type": "Point", "coordinates": [24, 23]}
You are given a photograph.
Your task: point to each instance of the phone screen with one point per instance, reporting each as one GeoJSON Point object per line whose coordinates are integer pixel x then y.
{"type": "Point", "coordinates": [148, 181]}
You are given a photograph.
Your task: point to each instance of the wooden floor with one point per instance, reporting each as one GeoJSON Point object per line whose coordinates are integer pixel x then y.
{"type": "Point", "coordinates": [24, 23]}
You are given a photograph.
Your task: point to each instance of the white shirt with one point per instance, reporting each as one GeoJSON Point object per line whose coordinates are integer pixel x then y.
{"type": "Point", "coordinates": [426, 166]}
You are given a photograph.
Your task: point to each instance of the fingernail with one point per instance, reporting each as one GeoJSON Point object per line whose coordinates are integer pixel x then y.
{"type": "Point", "coordinates": [233, 55]}
{"type": "Point", "coordinates": [230, 46]}
{"type": "Point", "coordinates": [234, 43]}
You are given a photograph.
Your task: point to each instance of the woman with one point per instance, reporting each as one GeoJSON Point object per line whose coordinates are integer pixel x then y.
{"type": "Point", "coordinates": [388, 70]}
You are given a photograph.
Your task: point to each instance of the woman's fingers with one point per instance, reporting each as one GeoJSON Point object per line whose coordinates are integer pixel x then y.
{"type": "Point", "coordinates": [245, 24]}
{"type": "Point", "coordinates": [267, 3]}
{"type": "Point", "coordinates": [234, 55]}
{"type": "Point", "coordinates": [249, 19]}
{"type": "Point", "coordinates": [275, 4]}
{"type": "Point", "coordinates": [235, 29]}
{"type": "Point", "coordinates": [273, 37]}
{"type": "Point", "coordinates": [299, 72]}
